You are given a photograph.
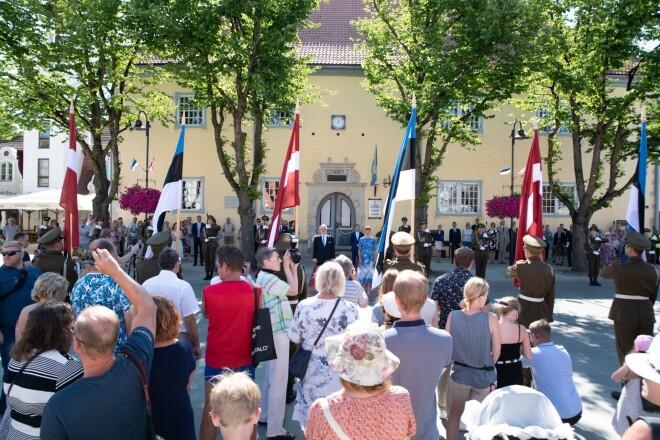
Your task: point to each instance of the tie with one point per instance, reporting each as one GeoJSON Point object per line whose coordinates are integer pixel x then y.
{"type": "Point", "coordinates": [323, 240]}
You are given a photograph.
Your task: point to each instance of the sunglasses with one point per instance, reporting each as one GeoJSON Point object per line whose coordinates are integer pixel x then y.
{"type": "Point", "coordinates": [9, 254]}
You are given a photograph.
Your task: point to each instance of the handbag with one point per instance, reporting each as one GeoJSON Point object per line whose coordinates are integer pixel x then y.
{"type": "Point", "coordinates": [300, 359]}
{"type": "Point", "coordinates": [151, 431]}
{"type": "Point", "coordinates": [263, 344]}
{"type": "Point", "coordinates": [5, 425]}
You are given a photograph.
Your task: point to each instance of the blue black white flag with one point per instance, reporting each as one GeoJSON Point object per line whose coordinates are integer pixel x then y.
{"type": "Point", "coordinates": [374, 168]}
{"type": "Point", "coordinates": [133, 165]}
{"type": "Point", "coordinates": [635, 214]}
{"type": "Point", "coordinates": [170, 198]}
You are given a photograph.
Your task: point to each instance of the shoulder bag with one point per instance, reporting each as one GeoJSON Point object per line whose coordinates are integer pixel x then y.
{"type": "Point", "coordinates": [325, 406]}
{"type": "Point", "coordinates": [263, 344]}
{"type": "Point", "coordinates": [19, 284]}
{"type": "Point", "coordinates": [151, 431]}
{"type": "Point", "coordinates": [300, 360]}
{"type": "Point", "coordinates": [5, 424]}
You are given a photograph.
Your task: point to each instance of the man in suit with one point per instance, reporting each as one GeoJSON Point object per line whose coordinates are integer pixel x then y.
{"type": "Point", "coordinates": [405, 227]}
{"type": "Point", "coordinates": [513, 235]}
{"type": "Point", "coordinates": [356, 235]}
{"type": "Point", "coordinates": [197, 229]}
{"type": "Point", "coordinates": [502, 241]}
{"type": "Point", "coordinates": [568, 233]}
{"type": "Point", "coordinates": [454, 240]}
{"type": "Point", "coordinates": [323, 247]}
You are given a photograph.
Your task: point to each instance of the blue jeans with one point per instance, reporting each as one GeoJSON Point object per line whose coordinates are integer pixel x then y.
{"type": "Point", "coordinates": [9, 332]}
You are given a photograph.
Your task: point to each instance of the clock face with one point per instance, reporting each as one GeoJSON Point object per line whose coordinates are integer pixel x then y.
{"type": "Point", "coordinates": [338, 122]}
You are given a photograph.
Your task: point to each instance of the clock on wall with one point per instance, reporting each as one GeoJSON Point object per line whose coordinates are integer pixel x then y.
{"type": "Point", "coordinates": [338, 122]}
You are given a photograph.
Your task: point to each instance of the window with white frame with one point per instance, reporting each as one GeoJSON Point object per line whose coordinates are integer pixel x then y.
{"type": "Point", "coordinates": [279, 118]}
{"type": "Point", "coordinates": [6, 171]}
{"type": "Point", "coordinates": [186, 107]}
{"type": "Point", "coordinates": [43, 173]}
{"type": "Point", "coordinates": [547, 115]}
{"type": "Point", "coordinates": [269, 188]}
{"type": "Point", "coordinates": [457, 110]}
{"type": "Point", "coordinates": [192, 194]}
{"type": "Point", "coordinates": [551, 204]}
{"type": "Point", "coordinates": [44, 135]}
{"type": "Point", "coordinates": [459, 197]}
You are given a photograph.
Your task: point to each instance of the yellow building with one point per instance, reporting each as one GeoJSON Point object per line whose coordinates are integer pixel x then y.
{"type": "Point", "coordinates": [337, 142]}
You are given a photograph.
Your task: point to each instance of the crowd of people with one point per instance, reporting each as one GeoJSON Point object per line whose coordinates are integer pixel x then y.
{"type": "Point", "coordinates": [429, 348]}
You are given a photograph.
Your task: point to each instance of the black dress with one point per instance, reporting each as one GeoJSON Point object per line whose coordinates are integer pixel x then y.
{"type": "Point", "coordinates": [509, 367]}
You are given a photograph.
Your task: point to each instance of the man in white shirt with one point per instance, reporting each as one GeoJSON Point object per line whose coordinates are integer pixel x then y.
{"type": "Point", "coordinates": [167, 284]}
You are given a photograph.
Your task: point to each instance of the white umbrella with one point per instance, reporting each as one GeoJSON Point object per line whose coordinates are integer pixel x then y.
{"type": "Point", "coordinates": [48, 199]}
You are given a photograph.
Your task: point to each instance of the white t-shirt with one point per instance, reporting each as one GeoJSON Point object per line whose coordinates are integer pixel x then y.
{"type": "Point", "coordinates": [167, 284]}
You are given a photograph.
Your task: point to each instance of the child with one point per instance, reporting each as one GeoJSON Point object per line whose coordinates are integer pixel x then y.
{"type": "Point", "coordinates": [629, 407]}
{"type": "Point", "coordinates": [235, 406]}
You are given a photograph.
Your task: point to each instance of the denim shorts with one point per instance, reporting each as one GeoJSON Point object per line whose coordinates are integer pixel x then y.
{"type": "Point", "coordinates": [210, 372]}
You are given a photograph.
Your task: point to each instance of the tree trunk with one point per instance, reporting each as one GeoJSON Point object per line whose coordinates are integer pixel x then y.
{"type": "Point", "coordinates": [246, 214]}
{"type": "Point", "coordinates": [578, 254]}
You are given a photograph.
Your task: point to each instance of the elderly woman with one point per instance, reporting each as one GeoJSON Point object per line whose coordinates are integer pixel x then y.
{"type": "Point", "coordinates": [476, 338]}
{"type": "Point", "coordinates": [172, 372]}
{"type": "Point", "coordinates": [363, 364]}
{"type": "Point", "coordinates": [48, 287]}
{"type": "Point", "coordinates": [310, 317]}
{"type": "Point", "coordinates": [39, 367]}
{"type": "Point", "coordinates": [353, 291]}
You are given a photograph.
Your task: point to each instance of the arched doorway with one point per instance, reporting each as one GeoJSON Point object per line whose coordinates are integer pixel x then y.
{"type": "Point", "coordinates": [337, 211]}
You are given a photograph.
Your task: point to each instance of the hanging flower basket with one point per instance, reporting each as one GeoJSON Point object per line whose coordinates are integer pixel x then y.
{"type": "Point", "coordinates": [139, 200]}
{"type": "Point", "coordinates": [503, 207]}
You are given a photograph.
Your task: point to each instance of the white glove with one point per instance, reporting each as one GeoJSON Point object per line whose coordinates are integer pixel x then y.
{"type": "Point", "coordinates": [426, 230]}
{"type": "Point", "coordinates": [485, 235]}
{"type": "Point", "coordinates": [597, 239]}
{"type": "Point", "coordinates": [596, 253]}
{"type": "Point", "coordinates": [482, 248]}
{"type": "Point", "coordinates": [651, 252]}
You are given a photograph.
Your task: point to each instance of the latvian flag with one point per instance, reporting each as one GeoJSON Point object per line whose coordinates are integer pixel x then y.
{"type": "Point", "coordinates": [69, 196]}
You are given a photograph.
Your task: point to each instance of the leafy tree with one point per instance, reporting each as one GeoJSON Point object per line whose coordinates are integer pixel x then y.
{"type": "Point", "coordinates": [238, 57]}
{"type": "Point", "coordinates": [460, 57]}
{"type": "Point", "coordinates": [592, 78]}
{"type": "Point", "coordinates": [82, 50]}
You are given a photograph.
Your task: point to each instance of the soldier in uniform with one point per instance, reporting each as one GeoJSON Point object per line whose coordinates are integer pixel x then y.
{"type": "Point", "coordinates": [405, 227]}
{"type": "Point", "coordinates": [635, 292]}
{"type": "Point", "coordinates": [402, 241]}
{"type": "Point", "coordinates": [536, 279]}
{"type": "Point", "coordinates": [593, 254]}
{"type": "Point", "coordinates": [650, 252]}
{"type": "Point", "coordinates": [209, 245]}
{"type": "Point", "coordinates": [424, 246]}
{"type": "Point", "coordinates": [149, 268]}
{"type": "Point", "coordinates": [53, 259]}
{"type": "Point", "coordinates": [261, 233]}
{"type": "Point", "coordinates": [480, 248]}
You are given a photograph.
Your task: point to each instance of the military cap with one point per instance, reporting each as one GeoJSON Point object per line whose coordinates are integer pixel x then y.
{"type": "Point", "coordinates": [637, 241]}
{"type": "Point", "coordinates": [51, 236]}
{"type": "Point", "coordinates": [265, 218]}
{"type": "Point", "coordinates": [593, 228]}
{"type": "Point", "coordinates": [283, 242]}
{"type": "Point", "coordinates": [402, 240]}
{"type": "Point", "coordinates": [647, 230]}
{"type": "Point", "coordinates": [481, 225]}
{"type": "Point", "coordinates": [46, 218]}
{"type": "Point", "coordinates": [404, 219]}
{"type": "Point", "coordinates": [159, 239]}
{"type": "Point", "coordinates": [533, 243]}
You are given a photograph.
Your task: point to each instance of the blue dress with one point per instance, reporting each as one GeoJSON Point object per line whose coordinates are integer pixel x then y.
{"type": "Point", "coordinates": [367, 246]}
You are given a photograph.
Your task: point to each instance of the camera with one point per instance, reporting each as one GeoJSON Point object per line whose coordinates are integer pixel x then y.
{"type": "Point", "coordinates": [294, 252]}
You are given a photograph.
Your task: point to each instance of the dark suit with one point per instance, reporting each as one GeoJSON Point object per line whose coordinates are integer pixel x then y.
{"type": "Point", "coordinates": [513, 235]}
{"type": "Point", "coordinates": [454, 241]}
{"type": "Point", "coordinates": [355, 239]}
{"type": "Point", "coordinates": [323, 253]}
{"type": "Point", "coordinates": [197, 242]}
{"type": "Point", "coordinates": [569, 249]}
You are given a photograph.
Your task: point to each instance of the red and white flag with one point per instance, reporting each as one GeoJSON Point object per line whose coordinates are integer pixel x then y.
{"type": "Point", "coordinates": [288, 194]}
{"type": "Point", "coordinates": [69, 197]}
{"type": "Point", "coordinates": [531, 198]}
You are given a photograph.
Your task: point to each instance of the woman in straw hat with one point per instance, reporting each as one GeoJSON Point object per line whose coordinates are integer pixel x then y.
{"type": "Point", "coordinates": [363, 364]}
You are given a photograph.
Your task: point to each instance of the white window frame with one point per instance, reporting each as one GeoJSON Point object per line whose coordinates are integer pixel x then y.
{"type": "Point", "coordinates": [275, 117]}
{"type": "Point", "coordinates": [6, 171]}
{"type": "Point", "coordinates": [461, 187]}
{"type": "Point", "coordinates": [192, 120]}
{"type": "Point", "coordinates": [193, 181]}
{"type": "Point", "coordinates": [544, 114]}
{"type": "Point", "coordinates": [265, 181]}
{"type": "Point", "coordinates": [44, 136]}
{"type": "Point", "coordinates": [457, 109]}
{"type": "Point", "coordinates": [558, 208]}
{"type": "Point", "coordinates": [43, 176]}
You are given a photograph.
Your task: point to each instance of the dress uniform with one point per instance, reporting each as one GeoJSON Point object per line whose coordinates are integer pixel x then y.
{"type": "Point", "coordinates": [53, 260]}
{"type": "Point", "coordinates": [261, 234]}
{"type": "Point", "coordinates": [405, 227]}
{"type": "Point", "coordinates": [149, 268]}
{"type": "Point", "coordinates": [480, 248]}
{"type": "Point", "coordinates": [536, 279]}
{"type": "Point", "coordinates": [402, 241]}
{"type": "Point", "coordinates": [593, 254]}
{"type": "Point", "coordinates": [424, 247]}
{"type": "Point", "coordinates": [210, 245]}
{"type": "Point", "coordinates": [650, 252]}
{"type": "Point", "coordinates": [635, 292]}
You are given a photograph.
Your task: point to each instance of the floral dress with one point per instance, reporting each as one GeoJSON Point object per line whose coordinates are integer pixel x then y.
{"type": "Point", "coordinates": [608, 253]}
{"type": "Point", "coordinates": [492, 240]}
{"type": "Point", "coordinates": [320, 380]}
{"type": "Point", "coordinates": [366, 245]}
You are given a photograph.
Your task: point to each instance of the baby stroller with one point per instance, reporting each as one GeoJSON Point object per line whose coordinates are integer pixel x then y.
{"type": "Point", "coordinates": [517, 412]}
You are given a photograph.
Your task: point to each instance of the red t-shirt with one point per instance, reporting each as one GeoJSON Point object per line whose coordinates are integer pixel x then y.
{"type": "Point", "coordinates": [230, 308]}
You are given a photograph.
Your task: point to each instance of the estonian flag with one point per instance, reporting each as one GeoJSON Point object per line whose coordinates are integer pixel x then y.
{"type": "Point", "coordinates": [635, 214]}
{"type": "Point", "coordinates": [402, 188]}
{"type": "Point", "coordinates": [374, 168]}
{"type": "Point", "coordinates": [133, 165]}
{"type": "Point", "coordinates": [170, 198]}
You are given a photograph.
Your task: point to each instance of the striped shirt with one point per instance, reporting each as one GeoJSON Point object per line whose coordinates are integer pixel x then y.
{"type": "Point", "coordinates": [354, 293]}
{"type": "Point", "coordinates": [46, 374]}
{"type": "Point", "coordinates": [274, 298]}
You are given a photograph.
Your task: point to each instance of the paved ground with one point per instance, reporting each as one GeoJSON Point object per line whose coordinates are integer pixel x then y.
{"type": "Point", "coordinates": [581, 325]}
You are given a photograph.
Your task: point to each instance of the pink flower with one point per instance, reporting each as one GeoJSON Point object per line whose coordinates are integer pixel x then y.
{"type": "Point", "coordinates": [139, 200]}
{"type": "Point", "coordinates": [503, 207]}
{"type": "Point", "coordinates": [357, 352]}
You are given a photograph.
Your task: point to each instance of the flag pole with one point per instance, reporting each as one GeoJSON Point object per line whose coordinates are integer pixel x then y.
{"type": "Point", "coordinates": [413, 165]}
{"type": "Point", "coordinates": [295, 214]}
